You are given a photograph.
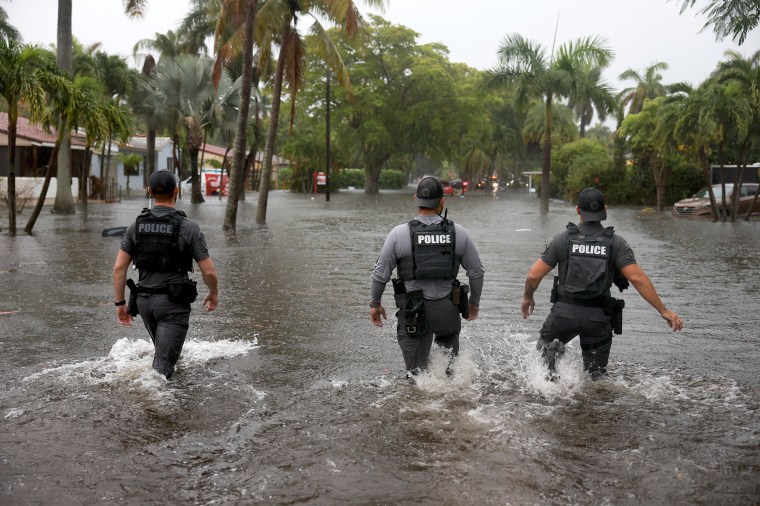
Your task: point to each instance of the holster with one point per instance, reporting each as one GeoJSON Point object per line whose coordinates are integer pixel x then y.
{"type": "Point", "coordinates": [132, 305]}
{"type": "Point", "coordinates": [183, 292]}
{"type": "Point", "coordinates": [553, 296]}
{"type": "Point", "coordinates": [459, 297]}
{"type": "Point", "coordinates": [614, 308]}
{"type": "Point", "coordinates": [413, 313]}
{"type": "Point", "coordinates": [399, 292]}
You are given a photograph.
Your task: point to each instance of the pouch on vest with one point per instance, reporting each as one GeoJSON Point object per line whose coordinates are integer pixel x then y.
{"type": "Point", "coordinates": [414, 313]}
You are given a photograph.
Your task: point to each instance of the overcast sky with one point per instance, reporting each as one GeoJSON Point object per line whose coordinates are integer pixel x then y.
{"type": "Point", "coordinates": [640, 32]}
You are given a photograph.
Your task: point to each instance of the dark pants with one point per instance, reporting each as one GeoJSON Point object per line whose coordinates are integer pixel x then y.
{"type": "Point", "coordinates": [167, 323]}
{"type": "Point", "coordinates": [441, 322]}
{"type": "Point", "coordinates": [565, 321]}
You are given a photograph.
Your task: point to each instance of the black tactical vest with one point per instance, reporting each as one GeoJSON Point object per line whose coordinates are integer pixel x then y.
{"type": "Point", "coordinates": [433, 252]}
{"type": "Point", "coordinates": [159, 248]}
{"type": "Point", "coordinates": [588, 273]}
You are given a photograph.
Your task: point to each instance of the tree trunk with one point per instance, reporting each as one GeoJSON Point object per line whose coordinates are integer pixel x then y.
{"type": "Point", "coordinates": [707, 173]}
{"type": "Point", "coordinates": [12, 118]}
{"type": "Point", "coordinates": [752, 205]}
{"type": "Point", "coordinates": [150, 144]}
{"type": "Point", "coordinates": [84, 177]}
{"type": "Point", "coordinates": [547, 162]}
{"type": "Point", "coordinates": [659, 182]}
{"type": "Point", "coordinates": [266, 174]}
{"type": "Point", "coordinates": [45, 185]}
{"type": "Point", "coordinates": [236, 173]}
{"type": "Point", "coordinates": [372, 180]}
{"type": "Point", "coordinates": [64, 201]}
{"type": "Point", "coordinates": [196, 194]}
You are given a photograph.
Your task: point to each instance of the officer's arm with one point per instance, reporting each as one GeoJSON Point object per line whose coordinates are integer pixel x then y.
{"type": "Point", "coordinates": [123, 259]}
{"type": "Point", "coordinates": [644, 286]}
{"type": "Point", "coordinates": [209, 277]}
{"type": "Point", "coordinates": [536, 273]}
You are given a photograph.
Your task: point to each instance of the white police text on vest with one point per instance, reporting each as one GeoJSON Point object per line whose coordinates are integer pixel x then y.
{"type": "Point", "coordinates": [589, 249]}
{"type": "Point", "coordinates": [424, 239]}
{"type": "Point", "coordinates": [155, 228]}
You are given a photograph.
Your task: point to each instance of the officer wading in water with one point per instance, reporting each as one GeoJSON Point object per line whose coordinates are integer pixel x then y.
{"type": "Point", "coordinates": [590, 257]}
{"type": "Point", "coordinates": [163, 243]}
{"type": "Point", "coordinates": [427, 253]}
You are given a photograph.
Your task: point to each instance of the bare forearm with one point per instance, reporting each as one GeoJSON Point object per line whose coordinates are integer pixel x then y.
{"type": "Point", "coordinates": [648, 293]}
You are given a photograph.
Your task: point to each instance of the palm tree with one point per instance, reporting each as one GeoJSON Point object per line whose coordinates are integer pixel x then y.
{"type": "Point", "coordinates": [6, 29]}
{"type": "Point", "coordinates": [244, 14]}
{"type": "Point", "coordinates": [278, 21]}
{"type": "Point", "coordinates": [592, 94]}
{"type": "Point", "coordinates": [698, 128]}
{"type": "Point", "coordinates": [744, 75]}
{"type": "Point", "coordinates": [27, 73]}
{"type": "Point", "coordinates": [524, 65]}
{"type": "Point", "coordinates": [186, 86]}
{"type": "Point", "coordinates": [734, 18]}
{"type": "Point", "coordinates": [64, 202]}
{"type": "Point", "coordinates": [648, 86]}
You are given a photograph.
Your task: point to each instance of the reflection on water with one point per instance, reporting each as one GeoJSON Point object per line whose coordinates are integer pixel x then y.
{"type": "Point", "coordinates": [288, 394]}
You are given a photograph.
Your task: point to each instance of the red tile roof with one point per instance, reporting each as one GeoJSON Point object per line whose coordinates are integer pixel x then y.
{"type": "Point", "coordinates": [35, 133]}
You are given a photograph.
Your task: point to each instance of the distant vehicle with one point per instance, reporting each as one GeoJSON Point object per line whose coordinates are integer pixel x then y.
{"type": "Point", "coordinates": [187, 185]}
{"type": "Point", "coordinates": [459, 187]}
{"type": "Point", "coordinates": [481, 184]}
{"type": "Point", "coordinates": [447, 188]}
{"type": "Point", "coordinates": [699, 204]}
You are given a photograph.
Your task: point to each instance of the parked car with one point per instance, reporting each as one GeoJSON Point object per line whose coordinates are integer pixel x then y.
{"type": "Point", "coordinates": [447, 188]}
{"type": "Point", "coordinates": [187, 185]}
{"type": "Point", "coordinates": [699, 204]}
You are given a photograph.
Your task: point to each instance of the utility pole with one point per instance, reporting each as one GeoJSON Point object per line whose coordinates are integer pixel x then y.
{"type": "Point", "coordinates": [327, 141]}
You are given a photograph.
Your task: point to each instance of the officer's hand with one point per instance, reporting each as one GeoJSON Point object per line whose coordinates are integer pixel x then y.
{"type": "Point", "coordinates": [474, 310]}
{"type": "Point", "coordinates": [674, 321]}
{"type": "Point", "coordinates": [527, 307]}
{"type": "Point", "coordinates": [374, 316]}
{"type": "Point", "coordinates": [211, 301]}
{"type": "Point", "coordinates": [123, 316]}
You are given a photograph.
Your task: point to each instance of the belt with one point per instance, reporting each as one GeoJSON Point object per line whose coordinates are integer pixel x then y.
{"type": "Point", "coordinates": [596, 302]}
{"type": "Point", "coordinates": [153, 291]}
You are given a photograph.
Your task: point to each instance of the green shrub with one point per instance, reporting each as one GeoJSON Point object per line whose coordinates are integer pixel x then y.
{"type": "Point", "coordinates": [583, 163]}
{"type": "Point", "coordinates": [285, 178]}
{"type": "Point", "coordinates": [351, 177]}
{"type": "Point", "coordinates": [392, 179]}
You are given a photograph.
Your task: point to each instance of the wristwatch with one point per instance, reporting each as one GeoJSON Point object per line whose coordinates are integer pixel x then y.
{"type": "Point", "coordinates": [120, 303]}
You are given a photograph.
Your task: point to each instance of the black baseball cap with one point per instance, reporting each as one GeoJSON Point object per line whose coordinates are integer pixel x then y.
{"type": "Point", "coordinates": [591, 203]}
{"type": "Point", "coordinates": [429, 192]}
{"type": "Point", "coordinates": [162, 182]}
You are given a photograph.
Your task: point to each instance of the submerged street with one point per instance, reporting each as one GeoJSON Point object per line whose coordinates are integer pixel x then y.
{"type": "Point", "coordinates": [288, 394]}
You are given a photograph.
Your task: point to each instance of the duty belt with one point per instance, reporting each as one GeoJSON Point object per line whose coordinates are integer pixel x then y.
{"type": "Point", "coordinates": [596, 302]}
{"type": "Point", "coordinates": [153, 291]}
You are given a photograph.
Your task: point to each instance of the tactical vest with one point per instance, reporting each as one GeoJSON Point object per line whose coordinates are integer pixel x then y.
{"type": "Point", "coordinates": [588, 273]}
{"type": "Point", "coordinates": [159, 248]}
{"type": "Point", "coordinates": [433, 252]}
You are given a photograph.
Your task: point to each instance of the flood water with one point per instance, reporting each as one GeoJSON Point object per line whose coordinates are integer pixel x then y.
{"type": "Point", "coordinates": [287, 394]}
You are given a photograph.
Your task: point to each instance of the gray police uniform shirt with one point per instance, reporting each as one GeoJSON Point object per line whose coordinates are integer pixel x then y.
{"type": "Point", "coordinates": [189, 234]}
{"type": "Point", "coordinates": [556, 251]}
{"type": "Point", "coordinates": [398, 244]}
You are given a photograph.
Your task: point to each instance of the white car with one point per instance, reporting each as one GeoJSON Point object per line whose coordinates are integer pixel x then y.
{"type": "Point", "coordinates": [187, 185]}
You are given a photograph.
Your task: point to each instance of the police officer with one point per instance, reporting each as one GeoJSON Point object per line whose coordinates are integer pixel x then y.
{"type": "Point", "coordinates": [427, 253]}
{"type": "Point", "coordinates": [163, 243]}
{"type": "Point", "coordinates": [588, 256]}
